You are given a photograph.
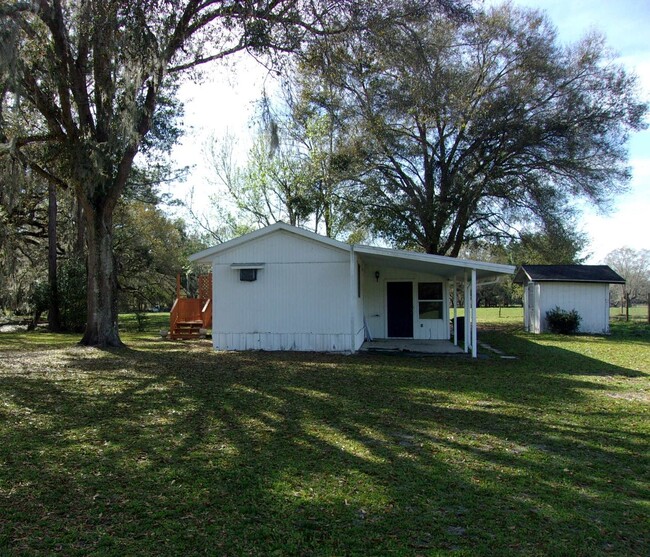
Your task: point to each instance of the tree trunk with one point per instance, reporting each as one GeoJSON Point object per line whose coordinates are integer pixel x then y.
{"type": "Point", "coordinates": [101, 327]}
{"type": "Point", "coordinates": [80, 236]}
{"type": "Point", "coordinates": [53, 314]}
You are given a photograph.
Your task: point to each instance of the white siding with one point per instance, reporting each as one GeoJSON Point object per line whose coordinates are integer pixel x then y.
{"type": "Point", "coordinates": [358, 291]}
{"type": "Point", "coordinates": [527, 307]}
{"type": "Point", "coordinates": [374, 302]}
{"type": "Point", "coordinates": [590, 300]}
{"type": "Point", "coordinates": [300, 300]}
{"type": "Point", "coordinates": [282, 247]}
{"type": "Point", "coordinates": [534, 315]}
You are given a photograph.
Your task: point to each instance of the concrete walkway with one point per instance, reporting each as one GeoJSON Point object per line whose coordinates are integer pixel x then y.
{"type": "Point", "coordinates": [411, 345]}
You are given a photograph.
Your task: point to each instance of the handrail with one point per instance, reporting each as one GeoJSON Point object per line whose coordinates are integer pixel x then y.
{"type": "Point", "coordinates": [190, 310]}
{"type": "Point", "coordinates": [173, 315]}
{"type": "Point", "coordinates": [206, 314]}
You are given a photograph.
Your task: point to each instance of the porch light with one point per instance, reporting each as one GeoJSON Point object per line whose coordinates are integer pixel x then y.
{"type": "Point", "coordinates": [377, 276]}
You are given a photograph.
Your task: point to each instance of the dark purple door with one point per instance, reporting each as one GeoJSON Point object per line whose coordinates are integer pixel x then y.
{"type": "Point", "coordinates": [400, 309]}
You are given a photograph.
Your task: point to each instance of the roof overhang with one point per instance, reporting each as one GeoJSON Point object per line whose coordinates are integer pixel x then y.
{"type": "Point", "coordinates": [440, 265]}
{"type": "Point", "coordinates": [247, 265]}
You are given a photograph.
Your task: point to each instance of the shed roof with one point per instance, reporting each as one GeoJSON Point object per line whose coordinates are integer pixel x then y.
{"type": "Point", "coordinates": [568, 273]}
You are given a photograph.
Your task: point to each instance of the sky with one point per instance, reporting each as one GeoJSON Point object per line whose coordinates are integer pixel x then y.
{"type": "Point", "coordinates": [225, 102]}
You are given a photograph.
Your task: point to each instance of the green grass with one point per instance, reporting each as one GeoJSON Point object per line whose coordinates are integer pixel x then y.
{"type": "Point", "coordinates": [515, 315]}
{"type": "Point", "coordinates": [168, 448]}
{"type": "Point", "coordinates": [637, 313]}
{"type": "Point", "coordinates": [152, 322]}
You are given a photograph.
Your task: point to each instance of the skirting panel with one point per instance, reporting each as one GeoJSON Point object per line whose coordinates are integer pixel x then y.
{"type": "Point", "coordinates": [301, 342]}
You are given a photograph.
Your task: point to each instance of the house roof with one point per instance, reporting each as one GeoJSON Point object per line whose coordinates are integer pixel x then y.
{"type": "Point", "coordinates": [420, 262]}
{"type": "Point", "coordinates": [568, 273]}
{"type": "Point", "coordinates": [207, 255]}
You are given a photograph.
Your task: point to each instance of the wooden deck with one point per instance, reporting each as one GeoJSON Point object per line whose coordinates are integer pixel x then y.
{"type": "Point", "coordinates": [191, 317]}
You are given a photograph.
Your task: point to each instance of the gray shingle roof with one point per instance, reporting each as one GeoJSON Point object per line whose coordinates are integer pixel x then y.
{"type": "Point", "coordinates": [567, 273]}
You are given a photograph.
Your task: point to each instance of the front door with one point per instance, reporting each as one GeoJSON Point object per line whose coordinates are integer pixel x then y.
{"type": "Point", "coordinates": [399, 308]}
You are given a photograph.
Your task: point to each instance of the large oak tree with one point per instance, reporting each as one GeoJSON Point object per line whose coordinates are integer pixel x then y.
{"type": "Point", "coordinates": [94, 72]}
{"type": "Point", "coordinates": [475, 130]}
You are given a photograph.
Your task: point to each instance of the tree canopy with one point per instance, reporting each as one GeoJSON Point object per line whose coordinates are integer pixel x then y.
{"type": "Point", "coordinates": [91, 76]}
{"type": "Point", "coordinates": [484, 128]}
{"type": "Point", "coordinates": [290, 173]}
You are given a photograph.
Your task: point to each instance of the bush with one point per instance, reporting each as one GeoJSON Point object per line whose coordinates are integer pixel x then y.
{"type": "Point", "coordinates": [72, 295]}
{"type": "Point", "coordinates": [141, 320]}
{"type": "Point", "coordinates": [563, 322]}
{"type": "Point", "coordinates": [40, 302]}
{"type": "Point", "coordinates": [40, 298]}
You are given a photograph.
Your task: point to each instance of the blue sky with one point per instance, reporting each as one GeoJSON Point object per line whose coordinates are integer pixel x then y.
{"type": "Point", "coordinates": [225, 102]}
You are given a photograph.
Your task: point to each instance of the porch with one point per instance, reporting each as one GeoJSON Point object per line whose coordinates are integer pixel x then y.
{"type": "Point", "coordinates": [411, 345]}
{"type": "Point", "coordinates": [411, 299]}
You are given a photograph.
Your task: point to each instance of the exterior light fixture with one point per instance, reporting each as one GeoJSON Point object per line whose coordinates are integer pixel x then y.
{"type": "Point", "coordinates": [377, 276]}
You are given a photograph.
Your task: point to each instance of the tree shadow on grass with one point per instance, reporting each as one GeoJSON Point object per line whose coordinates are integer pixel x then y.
{"type": "Point", "coordinates": [169, 449]}
{"type": "Point", "coordinates": [566, 355]}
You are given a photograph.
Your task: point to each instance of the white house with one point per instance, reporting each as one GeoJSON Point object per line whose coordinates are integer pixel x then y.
{"type": "Point", "coordinates": [284, 288]}
{"type": "Point", "coordinates": [584, 288]}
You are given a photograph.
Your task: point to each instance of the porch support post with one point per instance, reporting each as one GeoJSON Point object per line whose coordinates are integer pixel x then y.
{"type": "Point", "coordinates": [468, 315]}
{"type": "Point", "coordinates": [353, 299]}
{"type": "Point", "coordinates": [474, 339]}
{"type": "Point", "coordinates": [455, 311]}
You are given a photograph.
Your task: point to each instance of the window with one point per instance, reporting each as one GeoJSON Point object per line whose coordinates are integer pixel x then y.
{"type": "Point", "coordinates": [247, 275]}
{"type": "Point", "coordinates": [430, 301]}
{"type": "Point", "coordinates": [247, 271]}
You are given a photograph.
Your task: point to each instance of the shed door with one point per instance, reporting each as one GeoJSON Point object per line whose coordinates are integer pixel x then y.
{"type": "Point", "coordinates": [399, 309]}
{"type": "Point", "coordinates": [533, 325]}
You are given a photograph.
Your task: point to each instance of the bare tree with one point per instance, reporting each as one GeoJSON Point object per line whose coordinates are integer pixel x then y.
{"type": "Point", "coordinates": [634, 267]}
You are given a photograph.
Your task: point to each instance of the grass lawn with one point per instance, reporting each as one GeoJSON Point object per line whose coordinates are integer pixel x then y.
{"type": "Point", "coordinates": [168, 448]}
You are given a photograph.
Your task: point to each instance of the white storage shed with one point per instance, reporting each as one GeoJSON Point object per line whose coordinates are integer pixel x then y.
{"type": "Point", "coordinates": [285, 288]}
{"type": "Point", "coordinates": [584, 288]}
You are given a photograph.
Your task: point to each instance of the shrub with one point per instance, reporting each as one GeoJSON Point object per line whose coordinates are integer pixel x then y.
{"type": "Point", "coordinates": [141, 320]}
{"type": "Point", "coordinates": [72, 295]}
{"type": "Point", "coordinates": [40, 302]}
{"type": "Point", "coordinates": [562, 321]}
{"type": "Point", "coordinates": [40, 298]}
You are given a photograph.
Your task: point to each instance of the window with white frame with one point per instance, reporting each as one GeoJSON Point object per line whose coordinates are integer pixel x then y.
{"type": "Point", "coordinates": [430, 300]}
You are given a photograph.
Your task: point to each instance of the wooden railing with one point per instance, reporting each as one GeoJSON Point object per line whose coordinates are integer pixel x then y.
{"type": "Point", "coordinates": [187, 309]}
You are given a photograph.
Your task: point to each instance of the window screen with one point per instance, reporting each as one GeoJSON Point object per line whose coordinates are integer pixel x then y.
{"type": "Point", "coordinates": [430, 290]}
{"type": "Point", "coordinates": [430, 304]}
{"type": "Point", "coordinates": [247, 275]}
